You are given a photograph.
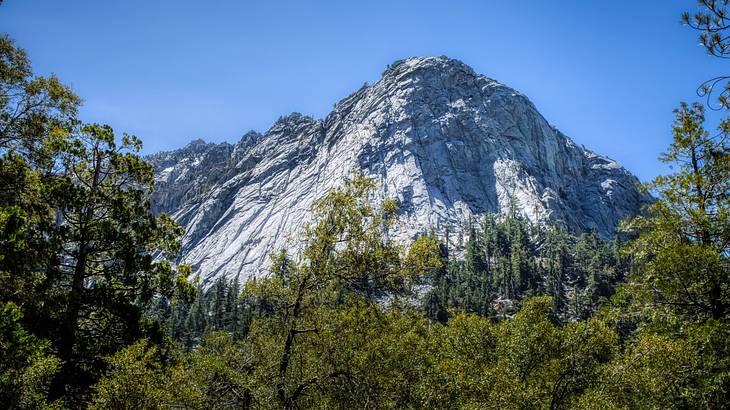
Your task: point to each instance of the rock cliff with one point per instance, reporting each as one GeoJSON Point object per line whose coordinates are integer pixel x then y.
{"type": "Point", "coordinates": [449, 143]}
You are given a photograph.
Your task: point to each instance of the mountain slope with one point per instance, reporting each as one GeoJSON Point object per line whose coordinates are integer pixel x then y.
{"type": "Point", "coordinates": [448, 143]}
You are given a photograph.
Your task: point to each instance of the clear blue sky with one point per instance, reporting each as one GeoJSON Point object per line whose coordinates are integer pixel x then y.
{"type": "Point", "coordinates": [607, 73]}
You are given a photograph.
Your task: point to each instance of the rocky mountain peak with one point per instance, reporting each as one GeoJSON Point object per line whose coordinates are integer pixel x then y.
{"type": "Point", "coordinates": [248, 136]}
{"type": "Point", "coordinates": [441, 65]}
{"type": "Point", "coordinates": [292, 123]}
{"type": "Point", "coordinates": [450, 144]}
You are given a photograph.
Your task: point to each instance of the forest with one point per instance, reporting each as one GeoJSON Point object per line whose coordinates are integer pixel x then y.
{"type": "Point", "coordinates": [97, 312]}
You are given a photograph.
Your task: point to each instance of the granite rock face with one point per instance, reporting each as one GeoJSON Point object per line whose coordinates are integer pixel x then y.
{"type": "Point", "coordinates": [448, 143]}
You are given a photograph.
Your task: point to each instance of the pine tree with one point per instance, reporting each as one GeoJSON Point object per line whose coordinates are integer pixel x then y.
{"type": "Point", "coordinates": [108, 236]}
{"type": "Point", "coordinates": [684, 243]}
{"type": "Point", "coordinates": [557, 261]}
{"type": "Point", "coordinates": [232, 310]}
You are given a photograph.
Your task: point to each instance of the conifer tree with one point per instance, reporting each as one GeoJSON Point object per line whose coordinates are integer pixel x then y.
{"type": "Point", "coordinates": [684, 243]}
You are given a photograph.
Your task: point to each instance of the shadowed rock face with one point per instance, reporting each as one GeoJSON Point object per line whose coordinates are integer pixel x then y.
{"type": "Point", "coordinates": [448, 143]}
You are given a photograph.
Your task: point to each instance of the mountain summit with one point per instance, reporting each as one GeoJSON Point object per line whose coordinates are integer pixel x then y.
{"type": "Point", "coordinates": [448, 143]}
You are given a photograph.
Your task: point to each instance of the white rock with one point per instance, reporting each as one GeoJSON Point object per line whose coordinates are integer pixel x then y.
{"type": "Point", "coordinates": [448, 143]}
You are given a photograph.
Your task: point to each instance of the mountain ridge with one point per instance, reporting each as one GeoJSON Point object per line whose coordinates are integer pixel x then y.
{"type": "Point", "coordinates": [448, 143]}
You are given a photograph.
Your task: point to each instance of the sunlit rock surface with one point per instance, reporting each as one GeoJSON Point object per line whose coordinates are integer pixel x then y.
{"type": "Point", "coordinates": [448, 143]}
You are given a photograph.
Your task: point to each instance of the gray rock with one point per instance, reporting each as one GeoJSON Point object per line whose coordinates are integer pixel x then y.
{"type": "Point", "coordinates": [448, 143]}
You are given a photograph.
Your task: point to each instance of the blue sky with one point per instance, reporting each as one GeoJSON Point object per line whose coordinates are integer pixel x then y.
{"type": "Point", "coordinates": [607, 73]}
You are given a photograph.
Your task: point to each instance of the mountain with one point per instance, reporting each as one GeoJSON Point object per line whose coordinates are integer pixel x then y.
{"type": "Point", "coordinates": [448, 143]}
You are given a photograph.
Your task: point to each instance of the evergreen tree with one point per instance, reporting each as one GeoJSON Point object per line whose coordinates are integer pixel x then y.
{"type": "Point", "coordinates": [107, 259]}
{"type": "Point", "coordinates": [556, 256]}
{"type": "Point", "coordinates": [81, 253]}
{"type": "Point", "coordinates": [677, 294]}
{"type": "Point", "coordinates": [684, 243]}
{"type": "Point", "coordinates": [713, 22]}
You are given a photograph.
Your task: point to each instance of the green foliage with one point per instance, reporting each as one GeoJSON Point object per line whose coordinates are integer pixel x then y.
{"type": "Point", "coordinates": [136, 383]}
{"type": "Point", "coordinates": [654, 372]}
{"type": "Point", "coordinates": [683, 244]}
{"type": "Point", "coordinates": [362, 355]}
{"type": "Point", "coordinates": [506, 260]}
{"type": "Point", "coordinates": [299, 312]}
{"type": "Point", "coordinates": [677, 295]}
{"type": "Point", "coordinates": [712, 21]}
{"type": "Point", "coordinates": [35, 111]}
{"type": "Point", "coordinates": [217, 374]}
{"type": "Point", "coordinates": [223, 308]}
{"type": "Point", "coordinates": [81, 254]}
{"type": "Point", "coordinates": [26, 365]}
{"type": "Point", "coordinates": [114, 254]}
{"type": "Point", "coordinates": [321, 332]}
{"type": "Point", "coordinates": [461, 358]}
{"type": "Point", "coordinates": [347, 255]}
{"type": "Point", "coordinates": [324, 333]}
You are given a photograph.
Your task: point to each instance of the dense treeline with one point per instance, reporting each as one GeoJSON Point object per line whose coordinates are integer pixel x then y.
{"type": "Point", "coordinates": [94, 311]}
{"type": "Point", "coordinates": [503, 261]}
{"type": "Point", "coordinates": [221, 308]}
{"type": "Point", "coordinates": [322, 333]}
{"type": "Point", "coordinates": [508, 259]}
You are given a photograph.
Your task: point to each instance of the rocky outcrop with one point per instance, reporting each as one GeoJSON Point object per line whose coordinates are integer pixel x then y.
{"type": "Point", "coordinates": [448, 143]}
